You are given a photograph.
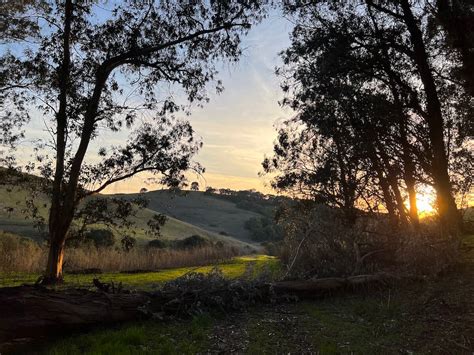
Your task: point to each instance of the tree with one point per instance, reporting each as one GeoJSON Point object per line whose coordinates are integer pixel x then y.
{"type": "Point", "coordinates": [194, 186]}
{"type": "Point", "coordinates": [77, 75]}
{"type": "Point", "coordinates": [371, 49]}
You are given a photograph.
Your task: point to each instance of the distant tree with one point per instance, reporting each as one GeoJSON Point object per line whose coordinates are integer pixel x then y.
{"type": "Point", "coordinates": [194, 186]}
{"type": "Point", "coordinates": [77, 71]}
{"type": "Point", "coordinates": [143, 190]}
{"type": "Point", "coordinates": [102, 238]}
{"type": "Point", "coordinates": [210, 190]}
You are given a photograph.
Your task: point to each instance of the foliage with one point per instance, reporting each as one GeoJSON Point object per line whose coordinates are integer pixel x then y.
{"type": "Point", "coordinates": [128, 243]}
{"type": "Point", "coordinates": [99, 238]}
{"type": "Point", "coordinates": [263, 229]}
{"type": "Point", "coordinates": [320, 242]}
{"type": "Point", "coordinates": [194, 241]}
{"type": "Point", "coordinates": [366, 133]}
{"type": "Point", "coordinates": [157, 243]}
{"type": "Point", "coordinates": [155, 223]}
{"type": "Point", "coordinates": [209, 292]}
{"type": "Point", "coordinates": [80, 71]}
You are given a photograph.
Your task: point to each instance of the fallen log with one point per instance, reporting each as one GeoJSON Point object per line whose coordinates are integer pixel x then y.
{"type": "Point", "coordinates": [319, 287]}
{"type": "Point", "coordinates": [32, 311]}
{"type": "Point", "coordinates": [36, 311]}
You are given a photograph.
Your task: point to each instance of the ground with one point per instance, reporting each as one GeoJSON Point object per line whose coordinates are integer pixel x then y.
{"type": "Point", "coordinates": [431, 315]}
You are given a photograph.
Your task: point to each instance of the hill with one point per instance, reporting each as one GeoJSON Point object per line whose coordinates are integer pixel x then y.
{"type": "Point", "coordinates": [209, 212]}
{"type": "Point", "coordinates": [14, 218]}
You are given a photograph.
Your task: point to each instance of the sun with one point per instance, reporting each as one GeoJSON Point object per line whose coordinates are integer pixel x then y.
{"type": "Point", "coordinates": [426, 201]}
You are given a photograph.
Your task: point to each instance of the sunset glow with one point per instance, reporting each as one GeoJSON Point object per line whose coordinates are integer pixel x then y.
{"type": "Point", "coordinates": [426, 200]}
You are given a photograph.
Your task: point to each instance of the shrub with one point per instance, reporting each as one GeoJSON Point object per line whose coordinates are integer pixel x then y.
{"type": "Point", "coordinates": [128, 243]}
{"type": "Point", "coordinates": [319, 242]}
{"type": "Point", "coordinates": [101, 238]}
{"type": "Point", "coordinates": [95, 237]}
{"type": "Point", "coordinates": [157, 244]}
{"type": "Point", "coordinates": [263, 229]}
{"type": "Point", "coordinates": [192, 242]}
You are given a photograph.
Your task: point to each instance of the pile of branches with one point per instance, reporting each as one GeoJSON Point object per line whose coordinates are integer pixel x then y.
{"type": "Point", "coordinates": [196, 293]}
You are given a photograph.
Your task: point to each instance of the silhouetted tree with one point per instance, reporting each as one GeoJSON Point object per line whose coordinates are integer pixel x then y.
{"type": "Point", "coordinates": [77, 74]}
{"type": "Point", "coordinates": [194, 186]}
{"type": "Point", "coordinates": [354, 61]}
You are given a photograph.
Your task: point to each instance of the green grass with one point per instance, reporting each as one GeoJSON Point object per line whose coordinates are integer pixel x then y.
{"type": "Point", "coordinates": [188, 337]}
{"type": "Point", "coordinates": [359, 325]}
{"type": "Point", "coordinates": [233, 269]}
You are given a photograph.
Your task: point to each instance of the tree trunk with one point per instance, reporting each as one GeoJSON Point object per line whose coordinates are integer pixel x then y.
{"type": "Point", "coordinates": [57, 236]}
{"type": "Point", "coordinates": [54, 268]}
{"type": "Point", "coordinates": [445, 201]}
{"type": "Point", "coordinates": [410, 182]}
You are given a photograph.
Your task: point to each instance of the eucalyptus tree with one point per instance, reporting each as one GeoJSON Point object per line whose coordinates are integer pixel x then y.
{"type": "Point", "coordinates": [387, 48]}
{"type": "Point", "coordinates": [129, 66]}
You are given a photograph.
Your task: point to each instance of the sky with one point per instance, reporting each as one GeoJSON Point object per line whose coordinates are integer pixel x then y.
{"type": "Point", "coordinates": [237, 126]}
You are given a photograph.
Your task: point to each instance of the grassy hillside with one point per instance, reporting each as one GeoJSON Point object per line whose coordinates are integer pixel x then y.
{"type": "Point", "coordinates": [199, 209]}
{"type": "Point", "coordinates": [13, 218]}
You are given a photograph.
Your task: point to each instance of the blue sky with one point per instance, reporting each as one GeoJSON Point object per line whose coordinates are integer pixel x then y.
{"type": "Point", "coordinates": [236, 126]}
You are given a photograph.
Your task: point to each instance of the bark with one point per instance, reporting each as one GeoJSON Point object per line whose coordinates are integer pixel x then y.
{"type": "Point", "coordinates": [33, 312]}
{"type": "Point", "coordinates": [445, 200]}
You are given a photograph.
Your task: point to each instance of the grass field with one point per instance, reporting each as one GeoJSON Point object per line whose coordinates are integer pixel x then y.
{"type": "Point", "coordinates": [428, 316]}
{"type": "Point", "coordinates": [233, 268]}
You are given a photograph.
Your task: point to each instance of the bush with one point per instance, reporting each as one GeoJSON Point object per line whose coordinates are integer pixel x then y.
{"type": "Point", "coordinates": [319, 242]}
{"type": "Point", "coordinates": [192, 242]}
{"type": "Point", "coordinates": [263, 229]}
{"type": "Point", "coordinates": [157, 244]}
{"type": "Point", "coordinates": [272, 248]}
{"type": "Point", "coordinates": [101, 238]}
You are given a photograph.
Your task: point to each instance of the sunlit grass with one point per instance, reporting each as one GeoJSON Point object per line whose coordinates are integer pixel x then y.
{"type": "Point", "coordinates": [234, 268]}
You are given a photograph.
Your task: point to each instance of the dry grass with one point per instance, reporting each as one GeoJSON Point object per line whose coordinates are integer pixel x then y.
{"type": "Point", "coordinates": [23, 255]}
{"type": "Point", "coordinates": [139, 259]}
